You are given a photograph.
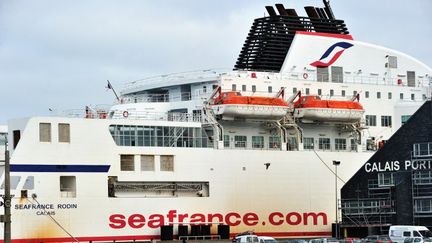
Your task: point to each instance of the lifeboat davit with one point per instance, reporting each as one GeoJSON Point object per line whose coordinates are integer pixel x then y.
{"type": "Point", "coordinates": [313, 108]}
{"type": "Point", "coordinates": [233, 105]}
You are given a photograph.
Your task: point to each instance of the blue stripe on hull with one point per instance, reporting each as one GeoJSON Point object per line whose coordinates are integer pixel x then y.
{"type": "Point", "coordinates": [59, 168]}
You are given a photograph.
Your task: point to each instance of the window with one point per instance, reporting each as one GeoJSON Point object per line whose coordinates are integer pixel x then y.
{"type": "Point", "coordinates": [16, 137]}
{"type": "Point", "coordinates": [204, 89]}
{"type": "Point", "coordinates": [386, 121]}
{"type": "Point", "coordinates": [125, 135]}
{"type": "Point", "coordinates": [389, 95]}
{"type": "Point", "coordinates": [411, 78]}
{"type": "Point", "coordinates": [423, 206]}
{"type": "Point", "coordinates": [257, 142]}
{"type": "Point", "coordinates": [29, 183]}
{"type": "Point", "coordinates": [307, 91]}
{"type": "Point", "coordinates": [253, 88]}
{"type": "Point", "coordinates": [270, 89]}
{"type": "Point", "coordinates": [67, 186]}
{"type": "Point", "coordinates": [127, 162]}
{"type": "Point", "coordinates": [294, 90]}
{"type": "Point", "coordinates": [331, 92]}
{"type": "Point", "coordinates": [401, 96]}
{"type": "Point", "coordinates": [64, 132]}
{"type": "Point", "coordinates": [378, 95]}
{"type": "Point", "coordinates": [343, 93]}
{"type": "Point", "coordinates": [292, 143]}
{"type": "Point", "coordinates": [367, 94]}
{"type": "Point", "coordinates": [337, 74]}
{"type": "Point", "coordinates": [14, 181]}
{"type": "Point", "coordinates": [226, 141]}
{"type": "Point", "coordinates": [322, 74]}
{"type": "Point", "coordinates": [324, 143]}
{"type": "Point", "coordinates": [371, 120]}
{"type": "Point", "coordinates": [167, 162]}
{"type": "Point", "coordinates": [45, 132]}
{"type": "Point", "coordinates": [234, 87]}
{"type": "Point", "coordinates": [147, 163]}
{"type": "Point", "coordinates": [406, 233]}
{"type": "Point", "coordinates": [240, 141]}
{"type": "Point", "coordinates": [3, 138]}
{"type": "Point", "coordinates": [353, 145]}
{"type": "Point", "coordinates": [340, 143]}
{"type": "Point", "coordinates": [404, 119]}
{"type": "Point", "coordinates": [412, 96]}
{"type": "Point", "coordinates": [308, 143]}
{"type": "Point", "coordinates": [244, 87]}
{"type": "Point", "coordinates": [319, 91]}
{"type": "Point", "coordinates": [274, 142]}
{"type": "Point", "coordinates": [392, 62]}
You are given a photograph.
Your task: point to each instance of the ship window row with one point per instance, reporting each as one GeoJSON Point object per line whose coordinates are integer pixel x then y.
{"type": "Point", "coordinates": [274, 142]}
{"type": "Point", "coordinates": [371, 120]}
{"type": "Point", "coordinates": [45, 134]}
{"type": "Point", "coordinates": [161, 136]}
{"type": "Point", "coordinates": [132, 162]}
{"type": "Point", "coordinates": [332, 92]}
{"type": "Point", "coordinates": [340, 144]}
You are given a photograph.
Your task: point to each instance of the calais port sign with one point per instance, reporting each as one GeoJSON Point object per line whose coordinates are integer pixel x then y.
{"type": "Point", "coordinates": [392, 166]}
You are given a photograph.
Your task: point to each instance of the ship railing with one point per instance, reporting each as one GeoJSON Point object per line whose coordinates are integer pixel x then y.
{"type": "Point", "coordinates": [173, 79]}
{"type": "Point", "coordinates": [148, 98]}
{"type": "Point", "coordinates": [357, 77]}
{"type": "Point", "coordinates": [131, 115]}
{"type": "Point", "coordinates": [159, 116]}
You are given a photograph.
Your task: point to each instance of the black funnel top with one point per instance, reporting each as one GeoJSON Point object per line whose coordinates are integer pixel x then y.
{"type": "Point", "coordinates": [270, 38]}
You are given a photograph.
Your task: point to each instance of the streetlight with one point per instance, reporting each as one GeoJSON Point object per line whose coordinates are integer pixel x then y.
{"type": "Point", "coordinates": [336, 163]}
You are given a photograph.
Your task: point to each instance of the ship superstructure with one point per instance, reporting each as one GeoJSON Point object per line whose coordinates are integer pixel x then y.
{"type": "Point", "coordinates": [251, 148]}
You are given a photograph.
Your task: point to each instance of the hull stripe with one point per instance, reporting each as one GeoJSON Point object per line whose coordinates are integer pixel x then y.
{"type": "Point", "coordinates": [157, 237]}
{"type": "Point", "coordinates": [59, 168]}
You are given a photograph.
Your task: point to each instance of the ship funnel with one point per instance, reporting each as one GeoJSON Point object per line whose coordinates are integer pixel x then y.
{"type": "Point", "coordinates": [292, 12]}
{"type": "Point", "coordinates": [281, 9]}
{"type": "Point", "coordinates": [271, 11]}
{"type": "Point", "coordinates": [328, 9]}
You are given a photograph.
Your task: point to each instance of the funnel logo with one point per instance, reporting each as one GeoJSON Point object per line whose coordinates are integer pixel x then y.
{"type": "Point", "coordinates": [339, 45]}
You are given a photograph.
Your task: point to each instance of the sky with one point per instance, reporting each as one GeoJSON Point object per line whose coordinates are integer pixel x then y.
{"type": "Point", "coordinates": [58, 54]}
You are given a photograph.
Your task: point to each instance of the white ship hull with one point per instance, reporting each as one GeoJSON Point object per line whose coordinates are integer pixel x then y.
{"type": "Point", "coordinates": [294, 197]}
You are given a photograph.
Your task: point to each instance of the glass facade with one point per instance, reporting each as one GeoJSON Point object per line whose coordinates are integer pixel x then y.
{"type": "Point", "coordinates": [159, 136]}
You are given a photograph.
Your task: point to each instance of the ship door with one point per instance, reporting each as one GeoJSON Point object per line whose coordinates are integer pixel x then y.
{"type": "Point", "coordinates": [411, 78]}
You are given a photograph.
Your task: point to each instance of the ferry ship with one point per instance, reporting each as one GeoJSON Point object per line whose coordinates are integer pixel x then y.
{"type": "Point", "coordinates": [252, 148]}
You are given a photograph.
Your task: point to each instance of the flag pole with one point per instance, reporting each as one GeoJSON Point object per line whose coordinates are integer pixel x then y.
{"type": "Point", "coordinates": [112, 88]}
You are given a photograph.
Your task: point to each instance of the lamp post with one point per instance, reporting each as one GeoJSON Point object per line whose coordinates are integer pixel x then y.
{"type": "Point", "coordinates": [336, 163]}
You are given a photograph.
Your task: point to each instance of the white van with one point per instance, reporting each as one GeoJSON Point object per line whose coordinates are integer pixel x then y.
{"type": "Point", "coordinates": [398, 233]}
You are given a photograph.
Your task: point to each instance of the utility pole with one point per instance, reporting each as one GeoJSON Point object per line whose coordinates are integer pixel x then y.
{"type": "Point", "coordinates": [7, 198]}
{"type": "Point", "coordinates": [336, 163]}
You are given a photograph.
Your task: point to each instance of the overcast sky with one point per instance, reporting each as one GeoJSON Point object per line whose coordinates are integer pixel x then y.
{"type": "Point", "coordinates": [58, 54]}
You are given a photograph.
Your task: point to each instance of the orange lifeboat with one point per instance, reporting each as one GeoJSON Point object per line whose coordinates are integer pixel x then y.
{"type": "Point", "coordinates": [313, 108]}
{"type": "Point", "coordinates": [232, 104]}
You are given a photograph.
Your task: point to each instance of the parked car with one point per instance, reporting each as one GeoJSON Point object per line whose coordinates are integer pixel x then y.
{"type": "Point", "coordinates": [246, 237]}
{"type": "Point", "coordinates": [413, 240]}
{"type": "Point", "coordinates": [377, 239]}
{"type": "Point", "coordinates": [266, 239]}
{"type": "Point", "coordinates": [398, 233]}
{"type": "Point", "coordinates": [324, 240]}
